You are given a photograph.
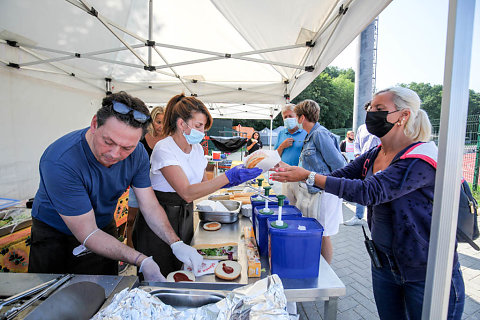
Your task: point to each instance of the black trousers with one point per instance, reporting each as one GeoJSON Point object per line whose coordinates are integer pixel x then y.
{"type": "Point", "coordinates": [51, 252]}
{"type": "Point", "coordinates": [180, 215]}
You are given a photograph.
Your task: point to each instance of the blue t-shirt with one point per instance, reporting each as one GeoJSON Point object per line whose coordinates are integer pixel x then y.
{"type": "Point", "coordinates": [291, 155]}
{"type": "Point", "coordinates": [73, 182]}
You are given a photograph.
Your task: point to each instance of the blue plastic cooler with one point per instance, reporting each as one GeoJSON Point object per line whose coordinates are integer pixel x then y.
{"type": "Point", "coordinates": [288, 211]}
{"type": "Point", "coordinates": [256, 203]}
{"type": "Point", "coordinates": [295, 252]}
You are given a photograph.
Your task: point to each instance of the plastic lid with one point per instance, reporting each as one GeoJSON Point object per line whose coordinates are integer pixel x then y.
{"type": "Point", "coordinates": [278, 226]}
{"type": "Point", "coordinates": [270, 211]}
{"type": "Point", "coordinates": [312, 226]}
{"type": "Point", "coordinates": [281, 199]}
{"type": "Point", "coordinates": [259, 181]}
{"type": "Point", "coordinates": [267, 190]}
{"type": "Point", "coordinates": [286, 210]}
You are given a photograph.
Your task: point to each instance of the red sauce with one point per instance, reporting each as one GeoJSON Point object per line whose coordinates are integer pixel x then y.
{"type": "Point", "coordinates": [227, 269]}
{"type": "Point", "coordinates": [212, 225]}
{"type": "Point", "coordinates": [179, 276]}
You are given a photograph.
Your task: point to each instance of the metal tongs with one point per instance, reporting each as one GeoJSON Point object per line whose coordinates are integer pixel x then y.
{"type": "Point", "coordinates": [44, 289]}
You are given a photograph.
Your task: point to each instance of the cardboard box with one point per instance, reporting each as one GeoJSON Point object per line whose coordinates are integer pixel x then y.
{"type": "Point", "coordinates": [253, 257]}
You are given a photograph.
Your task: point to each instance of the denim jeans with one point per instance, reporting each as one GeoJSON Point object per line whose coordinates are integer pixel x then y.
{"type": "Point", "coordinates": [359, 211]}
{"type": "Point", "coordinates": [399, 299]}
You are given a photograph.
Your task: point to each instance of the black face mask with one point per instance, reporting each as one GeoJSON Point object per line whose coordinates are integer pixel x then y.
{"type": "Point", "coordinates": [377, 123]}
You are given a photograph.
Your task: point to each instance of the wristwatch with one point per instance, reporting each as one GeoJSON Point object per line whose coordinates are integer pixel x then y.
{"type": "Point", "coordinates": [311, 179]}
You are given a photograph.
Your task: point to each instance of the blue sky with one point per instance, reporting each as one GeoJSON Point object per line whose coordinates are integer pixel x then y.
{"type": "Point", "coordinates": [411, 44]}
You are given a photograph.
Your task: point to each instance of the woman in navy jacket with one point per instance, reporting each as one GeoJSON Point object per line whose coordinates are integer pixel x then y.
{"type": "Point", "coordinates": [396, 180]}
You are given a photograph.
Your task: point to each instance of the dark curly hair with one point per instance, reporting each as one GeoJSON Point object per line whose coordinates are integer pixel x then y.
{"type": "Point", "coordinates": [106, 111]}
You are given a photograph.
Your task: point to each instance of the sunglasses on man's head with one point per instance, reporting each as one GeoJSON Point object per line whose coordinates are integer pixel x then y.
{"type": "Point", "coordinates": [124, 109]}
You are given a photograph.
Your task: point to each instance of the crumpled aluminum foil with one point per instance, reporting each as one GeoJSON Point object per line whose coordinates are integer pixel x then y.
{"type": "Point", "coordinates": [261, 300]}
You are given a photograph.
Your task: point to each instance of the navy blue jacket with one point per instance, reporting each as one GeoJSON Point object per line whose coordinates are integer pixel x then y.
{"type": "Point", "coordinates": [405, 188]}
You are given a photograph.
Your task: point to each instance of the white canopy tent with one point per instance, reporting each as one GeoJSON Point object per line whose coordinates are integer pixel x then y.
{"type": "Point", "coordinates": [57, 59]}
{"type": "Point", "coordinates": [243, 58]}
{"type": "Point", "coordinates": [221, 51]}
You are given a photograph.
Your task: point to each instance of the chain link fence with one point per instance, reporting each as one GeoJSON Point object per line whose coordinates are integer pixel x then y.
{"type": "Point", "coordinates": [471, 152]}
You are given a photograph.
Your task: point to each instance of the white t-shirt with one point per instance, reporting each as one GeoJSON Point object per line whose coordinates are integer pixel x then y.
{"type": "Point", "coordinates": [167, 153]}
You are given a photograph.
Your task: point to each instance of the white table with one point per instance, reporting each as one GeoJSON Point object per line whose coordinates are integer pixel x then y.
{"type": "Point", "coordinates": [327, 286]}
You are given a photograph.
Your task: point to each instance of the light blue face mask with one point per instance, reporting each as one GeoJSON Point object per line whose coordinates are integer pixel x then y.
{"type": "Point", "coordinates": [300, 125]}
{"type": "Point", "coordinates": [290, 123]}
{"type": "Point", "coordinates": [195, 136]}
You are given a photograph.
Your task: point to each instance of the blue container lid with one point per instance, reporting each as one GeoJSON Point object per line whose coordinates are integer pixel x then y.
{"type": "Point", "coordinates": [297, 227]}
{"type": "Point", "coordinates": [273, 197]}
{"type": "Point", "coordinates": [286, 210]}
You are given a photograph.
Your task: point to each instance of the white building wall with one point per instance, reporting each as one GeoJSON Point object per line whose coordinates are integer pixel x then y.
{"type": "Point", "coordinates": [34, 113]}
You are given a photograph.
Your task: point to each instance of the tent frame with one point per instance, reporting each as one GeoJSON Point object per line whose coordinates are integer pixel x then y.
{"type": "Point", "coordinates": [152, 46]}
{"type": "Point", "coordinates": [450, 155]}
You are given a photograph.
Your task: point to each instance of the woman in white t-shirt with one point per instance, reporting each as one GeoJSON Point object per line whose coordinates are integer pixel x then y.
{"type": "Point", "coordinates": [178, 177]}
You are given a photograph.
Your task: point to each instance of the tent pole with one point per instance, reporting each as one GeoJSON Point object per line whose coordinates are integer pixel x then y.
{"type": "Point", "coordinates": [450, 154]}
{"type": "Point", "coordinates": [271, 129]}
{"type": "Point", "coordinates": [227, 56]}
{"type": "Point", "coordinates": [222, 56]}
{"type": "Point", "coordinates": [150, 29]}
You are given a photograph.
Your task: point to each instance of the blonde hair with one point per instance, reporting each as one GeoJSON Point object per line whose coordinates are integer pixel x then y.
{"type": "Point", "coordinates": [289, 106]}
{"type": "Point", "coordinates": [153, 114]}
{"type": "Point", "coordinates": [418, 127]}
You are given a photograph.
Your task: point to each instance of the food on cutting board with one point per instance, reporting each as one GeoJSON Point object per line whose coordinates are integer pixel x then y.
{"type": "Point", "coordinates": [180, 276]}
{"type": "Point", "coordinates": [212, 226]}
{"type": "Point", "coordinates": [220, 251]}
{"type": "Point", "coordinates": [254, 159]}
{"type": "Point", "coordinates": [228, 270]}
{"type": "Point", "coordinates": [6, 221]}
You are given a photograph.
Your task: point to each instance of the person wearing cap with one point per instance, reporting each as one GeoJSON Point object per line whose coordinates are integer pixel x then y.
{"type": "Point", "coordinates": [82, 175]}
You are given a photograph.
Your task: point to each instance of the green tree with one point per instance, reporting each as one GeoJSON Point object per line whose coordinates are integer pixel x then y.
{"type": "Point", "coordinates": [431, 96]}
{"type": "Point", "coordinates": [334, 95]}
{"type": "Point", "coordinates": [333, 90]}
{"type": "Point", "coordinates": [335, 72]}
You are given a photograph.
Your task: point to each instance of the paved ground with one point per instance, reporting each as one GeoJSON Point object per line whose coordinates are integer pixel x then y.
{"type": "Point", "coordinates": [352, 265]}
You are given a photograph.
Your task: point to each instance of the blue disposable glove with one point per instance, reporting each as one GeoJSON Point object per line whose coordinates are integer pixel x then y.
{"type": "Point", "coordinates": [240, 174]}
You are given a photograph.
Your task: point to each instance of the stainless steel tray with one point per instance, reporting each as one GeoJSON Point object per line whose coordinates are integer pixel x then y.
{"type": "Point", "coordinates": [185, 299]}
{"type": "Point", "coordinates": [230, 216]}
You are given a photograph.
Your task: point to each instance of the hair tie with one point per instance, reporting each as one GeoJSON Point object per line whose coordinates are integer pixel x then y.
{"type": "Point", "coordinates": [180, 98]}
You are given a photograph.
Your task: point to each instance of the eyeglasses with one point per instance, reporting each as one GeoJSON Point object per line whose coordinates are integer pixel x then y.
{"type": "Point", "coordinates": [369, 108]}
{"type": "Point", "coordinates": [124, 109]}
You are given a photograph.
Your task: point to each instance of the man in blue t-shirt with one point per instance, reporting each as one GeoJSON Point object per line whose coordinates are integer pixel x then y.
{"type": "Point", "coordinates": [82, 175]}
{"type": "Point", "coordinates": [290, 143]}
{"type": "Point", "coordinates": [290, 140]}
